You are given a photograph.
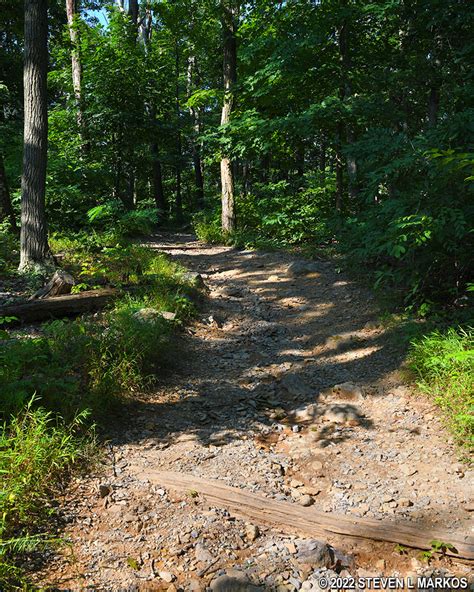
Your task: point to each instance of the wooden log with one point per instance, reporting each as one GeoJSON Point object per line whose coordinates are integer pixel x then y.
{"type": "Point", "coordinates": [293, 518]}
{"type": "Point", "coordinates": [59, 306]}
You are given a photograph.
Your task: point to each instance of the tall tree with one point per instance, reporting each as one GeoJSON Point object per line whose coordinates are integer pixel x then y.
{"type": "Point", "coordinates": [34, 248]}
{"type": "Point", "coordinates": [228, 21]}
{"type": "Point", "coordinates": [76, 66]}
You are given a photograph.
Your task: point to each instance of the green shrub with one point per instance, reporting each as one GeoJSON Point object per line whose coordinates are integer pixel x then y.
{"type": "Point", "coordinates": [207, 226]}
{"type": "Point", "coordinates": [443, 363]}
{"type": "Point", "coordinates": [86, 363]}
{"type": "Point", "coordinates": [36, 453]}
{"type": "Point", "coordinates": [112, 214]}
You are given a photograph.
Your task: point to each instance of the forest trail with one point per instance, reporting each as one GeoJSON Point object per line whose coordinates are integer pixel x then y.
{"type": "Point", "coordinates": [252, 403]}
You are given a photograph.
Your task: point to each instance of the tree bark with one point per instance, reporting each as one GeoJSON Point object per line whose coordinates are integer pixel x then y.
{"type": "Point", "coordinates": [133, 11]}
{"type": "Point", "coordinates": [179, 199]}
{"type": "Point", "coordinates": [6, 208]}
{"type": "Point", "coordinates": [158, 193]}
{"type": "Point", "coordinates": [346, 93]}
{"type": "Point", "coordinates": [229, 78]}
{"type": "Point", "coordinates": [322, 158]}
{"type": "Point", "coordinates": [195, 148]}
{"type": "Point", "coordinates": [339, 176]}
{"type": "Point", "coordinates": [34, 248]}
{"type": "Point", "coordinates": [76, 66]}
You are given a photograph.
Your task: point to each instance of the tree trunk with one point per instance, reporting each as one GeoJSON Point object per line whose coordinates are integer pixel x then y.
{"type": "Point", "coordinates": [34, 248]}
{"type": "Point", "coordinates": [195, 148]}
{"type": "Point", "coordinates": [133, 11]}
{"type": "Point", "coordinates": [158, 193]}
{"type": "Point", "coordinates": [339, 176]}
{"type": "Point", "coordinates": [346, 93]}
{"type": "Point", "coordinates": [229, 79]}
{"type": "Point", "coordinates": [71, 11]}
{"type": "Point", "coordinates": [322, 159]}
{"type": "Point", "coordinates": [179, 199]}
{"type": "Point", "coordinates": [6, 209]}
{"type": "Point", "coordinates": [433, 106]}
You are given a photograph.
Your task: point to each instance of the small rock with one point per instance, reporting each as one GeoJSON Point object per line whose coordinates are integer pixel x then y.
{"type": "Point", "coordinates": [299, 268]}
{"type": "Point", "coordinates": [347, 391]}
{"type": "Point", "coordinates": [305, 500]}
{"type": "Point", "coordinates": [104, 490]}
{"type": "Point", "coordinates": [202, 553]}
{"type": "Point", "coordinates": [314, 553]}
{"type": "Point", "coordinates": [468, 506]}
{"type": "Point", "coordinates": [252, 532]}
{"type": "Point", "coordinates": [147, 315]}
{"type": "Point", "coordinates": [306, 413]}
{"type": "Point", "coordinates": [294, 483]}
{"type": "Point", "coordinates": [167, 576]}
{"type": "Point", "coordinates": [404, 502]}
{"type": "Point", "coordinates": [168, 316]}
{"type": "Point", "coordinates": [291, 548]}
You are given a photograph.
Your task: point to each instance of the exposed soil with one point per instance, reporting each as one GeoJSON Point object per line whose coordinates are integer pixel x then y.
{"type": "Point", "coordinates": [251, 402]}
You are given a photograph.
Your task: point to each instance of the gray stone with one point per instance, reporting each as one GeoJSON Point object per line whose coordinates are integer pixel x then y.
{"type": "Point", "coordinates": [314, 553]}
{"type": "Point", "coordinates": [233, 581]}
{"type": "Point", "coordinates": [202, 553]}
{"type": "Point", "coordinates": [252, 532]}
{"type": "Point", "coordinates": [167, 576]}
{"type": "Point", "coordinates": [341, 413]}
{"type": "Point", "coordinates": [147, 315]}
{"type": "Point", "coordinates": [168, 316]}
{"type": "Point", "coordinates": [306, 413]}
{"type": "Point", "coordinates": [299, 268]}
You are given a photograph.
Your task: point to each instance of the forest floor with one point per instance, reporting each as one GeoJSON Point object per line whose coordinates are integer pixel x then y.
{"type": "Point", "coordinates": [251, 403]}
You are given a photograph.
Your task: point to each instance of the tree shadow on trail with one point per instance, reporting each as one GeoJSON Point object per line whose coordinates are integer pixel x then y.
{"type": "Point", "coordinates": [228, 379]}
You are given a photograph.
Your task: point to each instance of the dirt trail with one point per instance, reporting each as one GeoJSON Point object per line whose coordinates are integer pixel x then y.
{"type": "Point", "coordinates": [251, 403]}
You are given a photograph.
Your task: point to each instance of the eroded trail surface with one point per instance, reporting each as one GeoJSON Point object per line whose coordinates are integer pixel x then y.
{"type": "Point", "coordinates": [252, 403]}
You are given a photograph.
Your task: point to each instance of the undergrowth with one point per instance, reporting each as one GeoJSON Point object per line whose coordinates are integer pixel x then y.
{"type": "Point", "coordinates": [443, 363]}
{"type": "Point", "coordinates": [37, 452]}
{"type": "Point", "coordinates": [70, 370]}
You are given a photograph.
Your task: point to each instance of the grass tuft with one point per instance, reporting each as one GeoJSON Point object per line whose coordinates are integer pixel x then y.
{"type": "Point", "coordinates": [443, 363]}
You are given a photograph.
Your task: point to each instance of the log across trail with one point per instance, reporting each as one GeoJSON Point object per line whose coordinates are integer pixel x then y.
{"type": "Point", "coordinates": [294, 519]}
{"type": "Point", "coordinates": [58, 307]}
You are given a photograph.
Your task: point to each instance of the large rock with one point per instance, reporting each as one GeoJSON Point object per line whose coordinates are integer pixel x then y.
{"type": "Point", "coordinates": [347, 391]}
{"type": "Point", "coordinates": [233, 581]}
{"type": "Point", "coordinates": [342, 413]}
{"type": "Point", "coordinates": [314, 553]}
{"type": "Point", "coordinates": [301, 268]}
{"type": "Point", "coordinates": [306, 413]}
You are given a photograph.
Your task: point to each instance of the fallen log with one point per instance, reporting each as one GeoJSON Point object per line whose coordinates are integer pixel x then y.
{"type": "Point", "coordinates": [58, 307]}
{"type": "Point", "coordinates": [293, 518]}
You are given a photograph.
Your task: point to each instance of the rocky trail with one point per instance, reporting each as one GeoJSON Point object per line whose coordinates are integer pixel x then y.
{"type": "Point", "coordinates": [286, 387]}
